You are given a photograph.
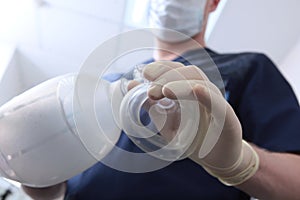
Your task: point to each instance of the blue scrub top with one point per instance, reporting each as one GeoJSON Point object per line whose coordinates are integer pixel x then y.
{"type": "Point", "coordinates": [270, 116]}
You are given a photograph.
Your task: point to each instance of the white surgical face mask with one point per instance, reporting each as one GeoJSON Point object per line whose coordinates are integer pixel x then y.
{"type": "Point", "coordinates": [184, 16]}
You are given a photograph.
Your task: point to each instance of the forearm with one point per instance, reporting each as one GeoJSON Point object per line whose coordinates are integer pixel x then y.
{"type": "Point", "coordinates": [56, 192]}
{"type": "Point", "coordinates": [278, 177]}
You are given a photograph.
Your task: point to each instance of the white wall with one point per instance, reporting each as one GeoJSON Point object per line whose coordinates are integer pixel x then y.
{"type": "Point", "coordinates": [11, 81]}
{"type": "Point", "coordinates": [18, 22]}
{"type": "Point", "coordinates": [75, 29]}
{"type": "Point", "coordinates": [290, 66]}
{"type": "Point", "coordinates": [54, 37]}
{"type": "Point", "coordinates": [6, 54]}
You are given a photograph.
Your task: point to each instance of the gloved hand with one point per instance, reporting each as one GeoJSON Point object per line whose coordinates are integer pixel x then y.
{"type": "Point", "coordinates": [218, 146]}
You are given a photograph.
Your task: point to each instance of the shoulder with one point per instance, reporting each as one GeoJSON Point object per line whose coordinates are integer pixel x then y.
{"type": "Point", "coordinates": [245, 67]}
{"type": "Point", "coordinates": [244, 60]}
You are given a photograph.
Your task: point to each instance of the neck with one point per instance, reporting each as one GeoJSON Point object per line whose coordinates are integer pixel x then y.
{"type": "Point", "coordinates": [170, 51]}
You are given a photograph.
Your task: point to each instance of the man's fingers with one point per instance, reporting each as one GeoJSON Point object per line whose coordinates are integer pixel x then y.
{"type": "Point", "coordinates": [190, 72]}
{"type": "Point", "coordinates": [155, 92]}
{"type": "Point", "coordinates": [156, 69]}
{"type": "Point", "coordinates": [132, 84]}
{"type": "Point", "coordinates": [183, 73]}
{"type": "Point", "coordinates": [204, 95]}
{"type": "Point", "coordinates": [203, 91]}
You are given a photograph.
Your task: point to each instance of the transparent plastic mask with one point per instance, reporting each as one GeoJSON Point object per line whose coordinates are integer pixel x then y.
{"type": "Point", "coordinates": [145, 120]}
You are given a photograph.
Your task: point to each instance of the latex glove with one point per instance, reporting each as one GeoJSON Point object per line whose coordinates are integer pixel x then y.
{"type": "Point", "coordinates": [218, 145]}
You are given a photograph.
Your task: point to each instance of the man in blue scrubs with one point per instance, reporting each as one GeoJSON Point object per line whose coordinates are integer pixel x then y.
{"type": "Point", "coordinates": [262, 100]}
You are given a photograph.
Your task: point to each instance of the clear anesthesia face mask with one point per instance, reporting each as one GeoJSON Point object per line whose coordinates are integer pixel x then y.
{"type": "Point", "coordinates": [163, 128]}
